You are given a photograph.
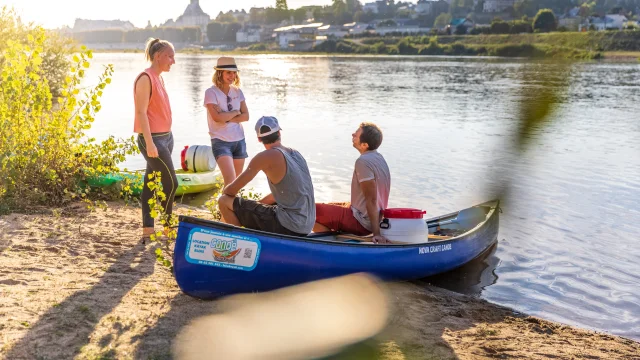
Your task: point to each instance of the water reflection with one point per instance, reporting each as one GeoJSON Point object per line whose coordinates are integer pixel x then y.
{"type": "Point", "coordinates": [472, 278]}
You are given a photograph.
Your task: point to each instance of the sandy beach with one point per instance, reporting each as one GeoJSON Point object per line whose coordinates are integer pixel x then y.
{"type": "Point", "coordinates": [80, 284]}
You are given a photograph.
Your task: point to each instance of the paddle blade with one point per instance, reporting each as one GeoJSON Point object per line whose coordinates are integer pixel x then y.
{"type": "Point", "coordinates": [466, 219]}
{"type": "Point", "coordinates": [470, 218]}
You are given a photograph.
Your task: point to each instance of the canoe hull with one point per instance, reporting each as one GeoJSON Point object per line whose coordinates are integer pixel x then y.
{"type": "Point", "coordinates": [276, 261]}
{"type": "Point", "coordinates": [188, 182]}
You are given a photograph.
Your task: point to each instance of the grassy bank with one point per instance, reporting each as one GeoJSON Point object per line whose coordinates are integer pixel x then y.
{"type": "Point", "coordinates": [619, 45]}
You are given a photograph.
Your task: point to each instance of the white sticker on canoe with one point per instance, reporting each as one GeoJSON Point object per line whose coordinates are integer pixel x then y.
{"type": "Point", "coordinates": [222, 249]}
{"type": "Point", "coordinates": [434, 249]}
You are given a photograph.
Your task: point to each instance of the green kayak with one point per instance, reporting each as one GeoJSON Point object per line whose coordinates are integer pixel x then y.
{"type": "Point", "coordinates": [188, 182]}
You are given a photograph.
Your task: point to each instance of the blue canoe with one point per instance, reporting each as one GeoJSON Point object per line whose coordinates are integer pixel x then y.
{"type": "Point", "coordinates": [213, 259]}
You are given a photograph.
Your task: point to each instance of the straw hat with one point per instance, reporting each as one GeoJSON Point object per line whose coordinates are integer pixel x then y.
{"type": "Point", "coordinates": [226, 63]}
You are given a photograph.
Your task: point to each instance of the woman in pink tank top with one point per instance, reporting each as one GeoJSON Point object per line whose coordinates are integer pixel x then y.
{"type": "Point", "coordinates": [153, 125]}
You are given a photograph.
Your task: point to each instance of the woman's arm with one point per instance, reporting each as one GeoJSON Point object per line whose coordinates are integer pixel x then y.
{"type": "Point", "coordinates": [141, 99]}
{"type": "Point", "coordinates": [244, 113]}
{"type": "Point", "coordinates": [219, 116]}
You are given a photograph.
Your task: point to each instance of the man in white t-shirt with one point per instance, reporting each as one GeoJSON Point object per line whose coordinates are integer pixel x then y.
{"type": "Point", "coordinates": [370, 188]}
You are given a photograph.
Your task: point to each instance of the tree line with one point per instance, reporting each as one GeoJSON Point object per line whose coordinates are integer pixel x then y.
{"type": "Point", "coordinates": [178, 35]}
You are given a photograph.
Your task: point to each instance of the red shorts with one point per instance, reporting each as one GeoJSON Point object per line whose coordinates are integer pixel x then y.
{"type": "Point", "coordinates": [339, 217]}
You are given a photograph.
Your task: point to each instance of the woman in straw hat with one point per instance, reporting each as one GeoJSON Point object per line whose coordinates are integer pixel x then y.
{"type": "Point", "coordinates": [226, 111]}
{"type": "Point", "coordinates": [153, 125]}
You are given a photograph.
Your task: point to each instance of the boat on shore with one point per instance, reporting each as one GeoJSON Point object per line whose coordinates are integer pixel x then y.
{"type": "Point", "coordinates": [213, 259]}
{"type": "Point", "coordinates": [188, 182]}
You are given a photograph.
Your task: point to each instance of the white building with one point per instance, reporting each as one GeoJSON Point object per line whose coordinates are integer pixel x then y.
{"type": "Point", "coordinates": [332, 31]}
{"type": "Point", "coordinates": [606, 22]}
{"type": "Point", "coordinates": [249, 34]}
{"type": "Point", "coordinates": [289, 36]}
{"type": "Point", "coordinates": [424, 7]}
{"type": "Point", "coordinates": [192, 16]}
{"type": "Point", "coordinates": [491, 6]}
{"type": "Point", "coordinates": [92, 25]}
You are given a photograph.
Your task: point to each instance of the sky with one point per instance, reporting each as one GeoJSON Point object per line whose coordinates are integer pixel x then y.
{"type": "Point", "coordinates": [56, 13]}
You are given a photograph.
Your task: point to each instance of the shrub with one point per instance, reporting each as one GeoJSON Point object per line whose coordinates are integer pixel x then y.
{"type": "Point", "coordinates": [405, 48]}
{"type": "Point", "coordinates": [257, 47]}
{"type": "Point", "coordinates": [500, 27]}
{"type": "Point", "coordinates": [44, 151]}
{"type": "Point", "coordinates": [344, 47]}
{"type": "Point", "coordinates": [433, 48]}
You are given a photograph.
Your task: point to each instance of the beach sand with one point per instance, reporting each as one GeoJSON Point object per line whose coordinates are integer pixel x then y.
{"type": "Point", "coordinates": [80, 284]}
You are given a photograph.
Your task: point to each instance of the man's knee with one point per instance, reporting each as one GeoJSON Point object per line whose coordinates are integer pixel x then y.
{"type": "Point", "coordinates": [226, 202]}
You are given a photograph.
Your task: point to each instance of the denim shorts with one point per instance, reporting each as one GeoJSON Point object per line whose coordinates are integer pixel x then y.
{"type": "Point", "coordinates": [235, 149]}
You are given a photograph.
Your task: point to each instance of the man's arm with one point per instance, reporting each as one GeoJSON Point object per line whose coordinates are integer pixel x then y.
{"type": "Point", "coordinates": [257, 164]}
{"type": "Point", "coordinates": [370, 191]}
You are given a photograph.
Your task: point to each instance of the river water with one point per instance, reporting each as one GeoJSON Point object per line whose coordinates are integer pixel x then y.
{"type": "Point", "coordinates": [568, 244]}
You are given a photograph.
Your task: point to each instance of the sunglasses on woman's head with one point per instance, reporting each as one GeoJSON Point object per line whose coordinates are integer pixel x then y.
{"type": "Point", "coordinates": [229, 106]}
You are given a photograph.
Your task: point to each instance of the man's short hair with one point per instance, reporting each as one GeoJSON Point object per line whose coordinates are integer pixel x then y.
{"type": "Point", "coordinates": [271, 138]}
{"type": "Point", "coordinates": [371, 135]}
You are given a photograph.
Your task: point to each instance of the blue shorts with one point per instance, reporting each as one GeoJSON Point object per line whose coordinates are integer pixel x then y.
{"type": "Point", "coordinates": [235, 149]}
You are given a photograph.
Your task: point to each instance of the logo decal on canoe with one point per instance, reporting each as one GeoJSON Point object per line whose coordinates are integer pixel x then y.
{"type": "Point", "coordinates": [219, 248]}
{"type": "Point", "coordinates": [227, 256]}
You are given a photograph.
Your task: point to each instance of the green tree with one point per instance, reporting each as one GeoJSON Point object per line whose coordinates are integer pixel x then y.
{"type": "Point", "coordinates": [281, 5]}
{"type": "Point", "coordinates": [442, 20]}
{"type": "Point", "coordinates": [339, 10]}
{"type": "Point", "coordinates": [215, 31]}
{"type": "Point", "coordinates": [364, 16]}
{"type": "Point", "coordinates": [545, 21]}
{"type": "Point", "coordinates": [299, 15]}
{"type": "Point", "coordinates": [230, 31]}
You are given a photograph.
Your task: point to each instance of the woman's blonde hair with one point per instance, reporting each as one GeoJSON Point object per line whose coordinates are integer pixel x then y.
{"type": "Point", "coordinates": [154, 46]}
{"type": "Point", "coordinates": [218, 82]}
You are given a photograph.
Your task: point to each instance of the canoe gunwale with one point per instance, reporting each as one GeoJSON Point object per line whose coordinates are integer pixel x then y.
{"type": "Point", "coordinates": [494, 204]}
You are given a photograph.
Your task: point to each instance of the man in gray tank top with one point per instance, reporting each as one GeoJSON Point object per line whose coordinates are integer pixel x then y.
{"type": "Point", "coordinates": [290, 208]}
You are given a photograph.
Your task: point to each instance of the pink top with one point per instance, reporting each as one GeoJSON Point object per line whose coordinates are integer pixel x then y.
{"type": "Point", "coordinates": [159, 109]}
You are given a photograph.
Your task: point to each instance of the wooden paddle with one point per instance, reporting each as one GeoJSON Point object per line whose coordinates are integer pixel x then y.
{"type": "Point", "coordinates": [370, 238]}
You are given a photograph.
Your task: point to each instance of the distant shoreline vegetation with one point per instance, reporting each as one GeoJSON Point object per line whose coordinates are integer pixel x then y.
{"type": "Point", "coordinates": [557, 45]}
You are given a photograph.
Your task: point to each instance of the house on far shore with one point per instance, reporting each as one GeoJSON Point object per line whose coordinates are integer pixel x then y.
{"type": "Point", "coordinates": [610, 21]}
{"type": "Point", "coordinates": [493, 6]}
{"type": "Point", "coordinates": [297, 37]}
{"type": "Point", "coordinates": [81, 25]}
{"type": "Point", "coordinates": [467, 23]}
{"type": "Point", "coordinates": [249, 34]}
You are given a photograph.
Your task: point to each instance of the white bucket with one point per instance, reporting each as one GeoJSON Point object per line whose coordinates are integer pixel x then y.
{"type": "Point", "coordinates": [404, 225]}
{"type": "Point", "coordinates": [199, 158]}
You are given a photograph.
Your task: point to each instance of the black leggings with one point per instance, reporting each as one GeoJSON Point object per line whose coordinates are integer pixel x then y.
{"type": "Point", "coordinates": [163, 164]}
